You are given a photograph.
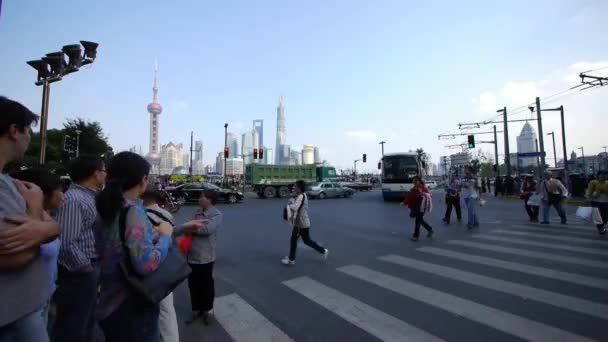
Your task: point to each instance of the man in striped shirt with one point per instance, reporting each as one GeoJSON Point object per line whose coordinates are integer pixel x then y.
{"type": "Point", "coordinates": [78, 258]}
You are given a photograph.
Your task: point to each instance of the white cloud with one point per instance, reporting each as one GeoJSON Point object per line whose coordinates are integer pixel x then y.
{"type": "Point", "coordinates": [519, 92]}
{"type": "Point", "coordinates": [362, 135]}
{"type": "Point", "coordinates": [236, 127]}
{"type": "Point", "coordinates": [486, 101]}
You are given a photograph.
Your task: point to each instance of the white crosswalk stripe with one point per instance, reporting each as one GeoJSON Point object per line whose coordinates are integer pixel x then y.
{"type": "Point", "coordinates": [588, 231]}
{"type": "Point", "coordinates": [372, 320]}
{"type": "Point", "coordinates": [565, 247]}
{"type": "Point", "coordinates": [545, 272]}
{"type": "Point", "coordinates": [532, 254]}
{"type": "Point", "coordinates": [589, 240]}
{"type": "Point", "coordinates": [243, 323]}
{"type": "Point", "coordinates": [519, 290]}
{"type": "Point", "coordinates": [503, 321]}
{"type": "Point", "coordinates": [556, 226]}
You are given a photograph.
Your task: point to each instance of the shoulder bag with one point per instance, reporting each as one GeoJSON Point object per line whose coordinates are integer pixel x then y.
{"type": "Point", "coordinates": [155, 286]}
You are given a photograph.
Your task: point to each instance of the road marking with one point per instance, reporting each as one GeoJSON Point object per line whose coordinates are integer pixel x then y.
{"type": "Point", "coordinates": [370, 319]}
{"type": "Point", "coordinates": [244, 323]}
{"type": "Point", "coordinates": [574, 278]}
{"type": "Point", "coordinates": [589, 240]}
{"type": "Point", "coordinates": [512, 324]}
{"type": "Point", "coordinates": [543, 244]}
{"type": "Point", "coordinates": [555, 226]}
{"type": "Point", "coordinates": [528, 292]}
{"type": "Point", "coordinates": [527, 253]}
{"type": "Point", "coordinates": [563, 229]}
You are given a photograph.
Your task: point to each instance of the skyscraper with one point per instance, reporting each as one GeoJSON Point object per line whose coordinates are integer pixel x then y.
{"type": "Point", "coordinates": [233, 145]}
{"type": "Point", "coordinates": [317, 155]}
{"type": "Point", "coordinates": [268, 155]}
{"type": "Point", "coordinates": [198, 150]}
{"type": "Point", "coordinates": [154, 108]}
{"type": "Point", "coordinates": [258, 126]}
{"type": "Point", "coordinates": [308, 154]}
{"type": "Point", "coordinates": [526, 143]}
{"type": "Point", "coordinates": [281, 131]}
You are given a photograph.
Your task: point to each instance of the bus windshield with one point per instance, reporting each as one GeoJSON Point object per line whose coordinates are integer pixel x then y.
{"type": "Point", "coordinates": [400, 169]}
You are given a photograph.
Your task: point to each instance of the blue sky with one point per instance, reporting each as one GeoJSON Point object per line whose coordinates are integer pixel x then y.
{"type": "Point", "coordinates": [352, 72]}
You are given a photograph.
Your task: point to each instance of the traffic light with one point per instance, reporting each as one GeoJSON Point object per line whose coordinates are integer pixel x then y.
{"type": "Point", "coordinates": [255, 153]}
{"type": "Point", "coordinates": [379, 165]}
{"type": "Point", "coordinates": [261, 153]}
{"type": "Point", "coordinates": [364, 157]}
{"type": "Point", "coordinates": [226, 152]}
{"type": "Point", "coordinates": [471, 141]}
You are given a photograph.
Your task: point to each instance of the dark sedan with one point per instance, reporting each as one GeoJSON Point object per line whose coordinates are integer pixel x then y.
{"type": "Point", "coordinates": [191, 192]}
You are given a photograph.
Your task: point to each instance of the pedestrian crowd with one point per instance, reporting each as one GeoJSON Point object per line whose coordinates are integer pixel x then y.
{"type": "Point", "coordinates": [102, 253]}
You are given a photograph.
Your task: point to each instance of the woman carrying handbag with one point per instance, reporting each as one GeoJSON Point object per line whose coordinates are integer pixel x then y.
{"type": "Point", "coordinates": [297, 216]}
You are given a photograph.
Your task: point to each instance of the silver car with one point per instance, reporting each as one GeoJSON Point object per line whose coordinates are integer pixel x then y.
{"type": "Point", "coordinates": [328, 189]}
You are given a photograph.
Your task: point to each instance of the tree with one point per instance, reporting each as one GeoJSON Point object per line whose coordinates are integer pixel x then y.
{"type": "Point", "coordinates": [424, 159]}
{"type": "Point", "coordinates": [92, 139]}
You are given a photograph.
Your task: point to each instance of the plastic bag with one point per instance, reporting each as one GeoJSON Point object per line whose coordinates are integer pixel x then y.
{"type": "Point", "coordinates": [585, 213]}
{"type": "Point", "coordinates": [535, 200]}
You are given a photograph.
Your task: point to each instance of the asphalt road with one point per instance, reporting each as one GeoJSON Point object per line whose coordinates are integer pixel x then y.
{"type": "Point", "coordinates": [506, 281]}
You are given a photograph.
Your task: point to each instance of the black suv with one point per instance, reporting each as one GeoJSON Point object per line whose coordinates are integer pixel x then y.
{"type": "Point", "coordinates": [191, 192]}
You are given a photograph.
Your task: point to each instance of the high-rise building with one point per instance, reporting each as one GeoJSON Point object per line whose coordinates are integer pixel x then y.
{"type": "Point", "coordinates": [154, 108]}
{"type": "Point", "coordinates": [233, 145]}
{"type": "Point", "coordinates": [281, 132]}
{"type": "Point", "coordinates": [234, 167]}
{"type": "Point", "coordinates": [171, 156]}
{"type": "Point", "coordinates": [296, 158]}
{"type": "Point", "coordinates": [198, 150]}
{"type": "Point", "coordinates": [250, 141]}
{"type": "Point", "coordinates": [258, 126]}
{"type": "Point", "coordinates": [526, 143]}
{"type": "Point", "coordinates": [308, 154]}
{"type": "Point", "coordinates": [186, 160]}
{"type": "Point", "coordinates": [283, 155]}
{"type": "Point", "coordinates": [219, 163]}
{"type": "Point", "coordinates": [268, 155]}
{"type": "Point", "coordinates": [317, 155]}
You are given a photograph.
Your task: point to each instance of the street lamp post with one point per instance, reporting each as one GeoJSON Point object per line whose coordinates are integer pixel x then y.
{"type": "Point", "coordinates": [78, 132]}
{"type": "Point", "coordinates": [583, 155]}
{"type": "Point", "coordinates": [225, 145]}
{"type": "Point", "coordinates": [552, 134]}
{"type": "Point", "coordinates": [506, 131]}
{"type": "Point", "coordinates": [51, 68]}
{"type": "Point", "coordinates": [356, 160]}
{"type": "Point", "coordinates": [382, 160]}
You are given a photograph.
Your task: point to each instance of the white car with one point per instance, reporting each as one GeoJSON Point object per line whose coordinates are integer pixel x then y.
{"type": "Point", "coordinates": [431, 185]}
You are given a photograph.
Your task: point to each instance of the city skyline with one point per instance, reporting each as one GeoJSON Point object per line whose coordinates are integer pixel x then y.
{"type": "Point", "coordinates": [410, 71]}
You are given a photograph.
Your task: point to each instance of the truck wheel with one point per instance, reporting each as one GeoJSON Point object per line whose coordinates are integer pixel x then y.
{"type": "Point", "coordinates": [270, 192]}
{"type": "Point", "coordinates": [284, 192]}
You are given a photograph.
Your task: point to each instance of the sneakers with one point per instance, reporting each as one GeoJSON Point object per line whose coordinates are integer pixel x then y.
{"type": "Point", "coordinates": [326, 254]}
{"type": "Point", "coordinates": [414, 238]}
{"type": "Point", "coordinates": [430, 233]}
{"type": "Point", "coordinates": [446, 221]}
{"type": "Point", "coordinates": [287, 262]}
{"type": "Point", "coordinates": [602, 232]}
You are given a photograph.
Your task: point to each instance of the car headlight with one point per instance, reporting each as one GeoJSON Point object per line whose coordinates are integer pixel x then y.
{"type": "Point", "coordinates": [240, 193]}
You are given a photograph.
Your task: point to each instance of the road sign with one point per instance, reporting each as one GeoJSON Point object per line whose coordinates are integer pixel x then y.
{"type": "Point", "coordinates": [530, 154]}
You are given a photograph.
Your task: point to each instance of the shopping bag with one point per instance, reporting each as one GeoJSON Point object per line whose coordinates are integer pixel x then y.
{"type": "Point", "coordinates": [585, 213]}
{"type": "Point", "coordinates": [596, 216]}
{"type": "Point", "coordinates": [534, 200]}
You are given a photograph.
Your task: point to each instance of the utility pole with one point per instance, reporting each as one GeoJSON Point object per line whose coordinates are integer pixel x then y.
{"type": "Point", "coordinates": [382, 160]}
{"type": "Point", "coordinates": [496, 152]}
{"type": "Point", "coordinates": [552, 134]}
{"type": "Point", "coordinates": [226, 145]}
{"type": "Point", "coordinates": [541, 138]}
{"type": "Point", "coordinates": [537, 157]}
{"type": "Point", "coordinates": [583, 154]}
{"type": "Point", "coordinates": [561, 111]}
{"type": "Point", "coordinates": [191, 151]}
{"type": "Point", "coordinates": [506, 130]}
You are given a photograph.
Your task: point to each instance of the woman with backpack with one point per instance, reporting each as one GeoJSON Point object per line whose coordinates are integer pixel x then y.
{"type": "Point", "coordinates": [296, 215]}
{"type": "Point", "coordinates": [420, 203]}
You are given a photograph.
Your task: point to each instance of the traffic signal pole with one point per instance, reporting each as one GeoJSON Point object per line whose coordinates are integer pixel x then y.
{"type": "Point", "coordinates": [497, 172]}
{"type": "Point", "coordinates": [541, 138]}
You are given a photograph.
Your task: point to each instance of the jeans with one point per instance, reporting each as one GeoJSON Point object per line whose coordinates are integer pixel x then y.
{"type": "Point", "coordinates": [305, 234]}
{"type": "Point", "coordinates": [75, 297]}
{"type": "Point", "coordinates": [558, 206]}
{"type": "Point", "coordinates": [452, 202]}
{"type": "Point", "coordinates": [420, 221]}
{"type": "Point", "coordinates": [167, 320]}
{"type": "Point", "coordinates": [202, 287]}
{"type": "Point", "coordinates": [471, 204]}
{"type": "Point", "coordinates": [134, 320]}
{"type": "Point", "coordinates": [30, 328]}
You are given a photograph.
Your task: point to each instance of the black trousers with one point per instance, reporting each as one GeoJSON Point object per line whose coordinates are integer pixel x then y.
{"type": "Point", "coordinates": [420, 221]}
{"type": "Point", "coordinates": [452, 202]}
{"type": "Point", "coordinates": [603, 207]}
{"type": "Point", "coordinates": [296, 233]}
{"type": "Point", "coordinates": [202, 287]}
{"type": "Point", "coordinates": [532, 212]}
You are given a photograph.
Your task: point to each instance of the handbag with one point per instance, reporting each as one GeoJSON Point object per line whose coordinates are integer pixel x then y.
{"type": "Point", "coordinates": [286, 214]}
{"type": "Point", "coordinates": [534, 200]}
{"type": "Point", "coordinates": [155, 286]}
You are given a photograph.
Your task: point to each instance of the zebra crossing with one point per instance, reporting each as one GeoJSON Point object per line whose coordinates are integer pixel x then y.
{"type": "Point", "coordinates": [543, 261]}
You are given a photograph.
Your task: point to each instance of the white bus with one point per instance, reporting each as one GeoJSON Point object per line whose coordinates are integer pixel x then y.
{"type": "Point", "coordinates": [398, 172]}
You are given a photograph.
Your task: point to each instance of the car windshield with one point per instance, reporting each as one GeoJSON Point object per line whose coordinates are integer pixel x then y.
{"type": "Point", "coordinates": [400, 169]}
{"type": "Point", "coordinates": [211, 186]}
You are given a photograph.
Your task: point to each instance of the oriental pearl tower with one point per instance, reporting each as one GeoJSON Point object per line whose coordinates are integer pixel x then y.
{"type": "Point", "coordinates": [154, 108]}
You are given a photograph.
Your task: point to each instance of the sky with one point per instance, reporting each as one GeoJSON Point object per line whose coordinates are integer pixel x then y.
{"type": "Point", "coordinates": [352, 72]}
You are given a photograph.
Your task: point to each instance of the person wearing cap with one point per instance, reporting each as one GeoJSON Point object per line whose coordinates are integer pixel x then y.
{"type": "Point", "coordinates": [552, 192]}
{"type": "Point", "coordinates": [597, 193]}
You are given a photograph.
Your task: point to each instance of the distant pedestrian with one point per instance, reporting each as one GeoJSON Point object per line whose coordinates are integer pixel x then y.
{"type": "Point", "coordinates": [597, 192]}
{"type": "Point", "coordinates": [553, 193]}
{"type": "Point", "coordinates": [527, 190]}
{"type": "Point", "coordinates": [79, 267]}
{"type": "Point", "coordinates": [509, 185]}
{"type": "Point", "coordinates": [452, 199]}
{"type": "Point", "coordinates": [483, 185]}
{"type": "Point", "coordinates": [489, 185]}
{"type": "Point", "coordinates": [470, 192]}
{"type": "Point", "coordinates": [297, 217]}
{"type": "Point", "coordinates": [201, 257]}
{"type": "Point", "coordinates": [420, 202]}
{"type": "Point", "coordinates": [498, 187]}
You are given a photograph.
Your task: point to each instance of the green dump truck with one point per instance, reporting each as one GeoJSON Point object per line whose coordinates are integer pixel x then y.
{"type": "Point", "coordinates": [278, 180]}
